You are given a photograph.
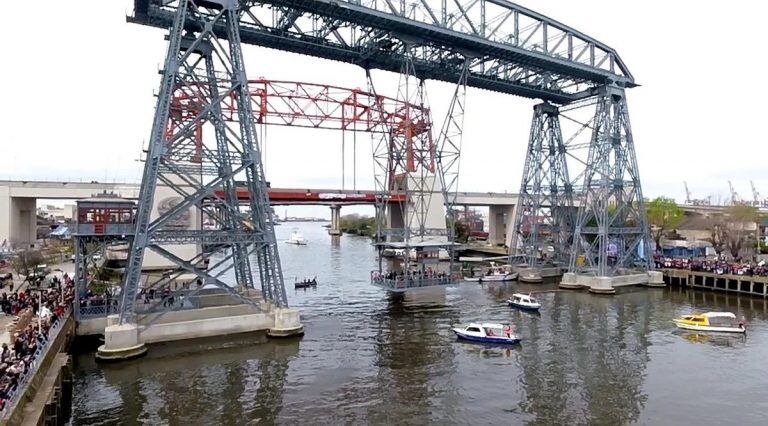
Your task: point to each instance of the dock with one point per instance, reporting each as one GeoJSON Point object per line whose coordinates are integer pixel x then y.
{"type": "Point", "coordinates": [742, 284]}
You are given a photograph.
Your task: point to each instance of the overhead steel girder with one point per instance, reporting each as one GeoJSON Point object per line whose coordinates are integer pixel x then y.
{"type": "Point", "coordinates": [512, 49]}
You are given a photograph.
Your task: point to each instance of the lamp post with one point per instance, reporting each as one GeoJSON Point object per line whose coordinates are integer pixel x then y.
{"type": "Point", "coordinates": [37, 287]}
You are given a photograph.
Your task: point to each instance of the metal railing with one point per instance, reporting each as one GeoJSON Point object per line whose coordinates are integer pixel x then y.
{"type": "Point", "coordinates": [37, 358]}
{"type": "Point", "coordinates": [99, 310]}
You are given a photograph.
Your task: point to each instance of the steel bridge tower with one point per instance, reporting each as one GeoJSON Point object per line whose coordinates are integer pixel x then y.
{"type": "Point", "coordinates": [545, 210]}
{"type": "Point", "coordinates": [611, 236]}
{"type": "Point", "coordinates": [204, 64]}
{"type": "Point", "coordinates": [503, 47]}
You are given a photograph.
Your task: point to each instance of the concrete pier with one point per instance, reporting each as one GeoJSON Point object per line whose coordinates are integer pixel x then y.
{"type": "Point", "coordinates": [121, 342]}
{"type": "Point", "coordinates": [607, 285]}
{"type": "Point", "coordinates": [335, 228]}
{"type": "Point", "coordinates": [129, 341]}
{"type": "Point", "coordinates": [537, 274]}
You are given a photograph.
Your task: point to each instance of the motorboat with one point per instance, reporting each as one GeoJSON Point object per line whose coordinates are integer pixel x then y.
{"type": "Point", "coordinates": [487, 333]}
{"type": "Point", "coordinates": [722, 322]}
{"type": "Point", "coordinates": [306, 283]}
{"type": "Point", "coordinates": [494, 274]}
{"type": "Point", "coordinates": [524, 301]}
{"type": "Point", "coordinates": [297, 239]}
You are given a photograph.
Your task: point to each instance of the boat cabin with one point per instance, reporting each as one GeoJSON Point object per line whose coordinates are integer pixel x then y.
{"type": "Point", "coordinates": [523, 298]}
{"type": "Point", "coordinates": [489, 329]}
{"type": "Point", "coordinates": [711, 319]}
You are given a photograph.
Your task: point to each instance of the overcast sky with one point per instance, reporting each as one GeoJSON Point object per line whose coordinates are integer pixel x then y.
{"type": "Point", "coordinates": [78, 97]}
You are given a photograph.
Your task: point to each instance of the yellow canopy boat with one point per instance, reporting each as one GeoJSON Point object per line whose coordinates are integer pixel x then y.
{"type": "Point", "coordinates": [724, 322]}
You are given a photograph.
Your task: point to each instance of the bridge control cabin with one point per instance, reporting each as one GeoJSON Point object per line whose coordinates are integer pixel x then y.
{"type": "Point", "coordinates": [103, 221]}
{"type": "Point", "coordinates": [413, 266]}
{"type": "Point", "coordinates": [105, 215]}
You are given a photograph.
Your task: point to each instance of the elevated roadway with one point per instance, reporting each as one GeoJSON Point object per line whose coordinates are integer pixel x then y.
{"type": "Point", "coordinates": [18, 203]}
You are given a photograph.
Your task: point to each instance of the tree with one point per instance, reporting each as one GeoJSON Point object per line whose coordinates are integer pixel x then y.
{"type": "Point", "coordinates": [663, 214]}
{"type": "Point", "coordinates": [741, 221]}
{"type": "Point", "coordinates": [718, 232]}
{"type": "Point", "coordinates": [461, 231]}
{"type": "Point", "coordinates": [25, 262]}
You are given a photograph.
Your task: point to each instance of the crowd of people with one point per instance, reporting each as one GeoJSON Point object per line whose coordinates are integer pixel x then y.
{"type": "Point", "coordinates": [46, 307]}
{"type": "Point", "coordinates": [415, 278]}
{"type": "Point", "coordinates": [715, 266]}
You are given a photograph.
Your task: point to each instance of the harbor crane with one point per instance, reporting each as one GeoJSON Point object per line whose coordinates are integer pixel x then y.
{"type": "Point", "coordinates": [735, 199]}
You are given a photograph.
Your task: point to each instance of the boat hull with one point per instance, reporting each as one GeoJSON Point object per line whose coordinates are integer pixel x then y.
{"type": "Point", "coordinates": [525, 306]}
{"type": "Point", "coordinates": [485, 339]}
{"type": "Point", "coordinates": [492, 278]}
{"type": "Point", "coordinates": [710, 328]}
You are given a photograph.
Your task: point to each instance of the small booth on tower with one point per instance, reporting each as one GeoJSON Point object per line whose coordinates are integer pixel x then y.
{"type": "Point", "coordinates": [105, 220]}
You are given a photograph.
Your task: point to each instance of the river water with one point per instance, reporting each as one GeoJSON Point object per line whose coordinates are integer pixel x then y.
{"type": "Point", "coordinates": [367, 359]}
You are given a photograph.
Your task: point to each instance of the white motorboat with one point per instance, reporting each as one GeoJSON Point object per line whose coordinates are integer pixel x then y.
{"type": "Point", "coordinates": [524, 301]}
{"type": "Point", "coordinates": [494, 274]}
{"type": "Point", "coordinates": [297, 239]}
{"type": "Point", "coordinates": [722, 322]}
{"type": "Point", "coordinates": [487, 333]}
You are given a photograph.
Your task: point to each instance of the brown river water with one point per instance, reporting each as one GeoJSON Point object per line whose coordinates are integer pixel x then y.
{"type": "Point", "coordinates": [369, 359]}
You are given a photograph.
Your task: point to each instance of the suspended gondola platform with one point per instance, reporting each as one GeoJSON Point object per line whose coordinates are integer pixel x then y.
{"type": "Point", "coordinates": [416, 266]}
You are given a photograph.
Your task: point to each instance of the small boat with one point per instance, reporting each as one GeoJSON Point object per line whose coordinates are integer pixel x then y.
{"type": "Point", "coordinates": [722, 322]}
{"type": "Point", "coordinates": [494, 274]}
{"type": "Point", "coordinates": [524, 301]}
{"type": "Point", "coordinates": [487, 333]}
{"type": "Point", "coordinates": [297, 239]}
{"type": "Point", "coordinates": [305, 283]}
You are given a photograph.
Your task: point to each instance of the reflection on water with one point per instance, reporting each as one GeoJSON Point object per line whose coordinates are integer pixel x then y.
{"type": "Point", "coordinates": [369, 358]}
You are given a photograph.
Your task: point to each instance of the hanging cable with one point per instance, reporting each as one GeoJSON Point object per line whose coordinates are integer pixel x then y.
{"type": "Point", "coordinates": [343, 133]}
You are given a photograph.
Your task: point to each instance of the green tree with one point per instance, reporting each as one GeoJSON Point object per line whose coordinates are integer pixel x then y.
{"type": "Point", "coordinates": [663, 214]}
{"type": "Point", "coordinates": [461, 231]}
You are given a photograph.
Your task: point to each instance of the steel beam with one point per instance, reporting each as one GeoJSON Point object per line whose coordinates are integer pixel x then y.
{"type": "Point", "coordinates": [373, 34]}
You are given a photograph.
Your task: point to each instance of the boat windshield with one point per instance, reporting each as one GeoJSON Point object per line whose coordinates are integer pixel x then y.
{"type": "Point", "coordinates": [494, 331]}
{"type": "Point", "coordinates": [475, 329]}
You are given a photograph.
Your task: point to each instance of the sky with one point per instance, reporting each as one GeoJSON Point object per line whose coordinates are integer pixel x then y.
{"type": "Point", "coordinates": [79, 99]}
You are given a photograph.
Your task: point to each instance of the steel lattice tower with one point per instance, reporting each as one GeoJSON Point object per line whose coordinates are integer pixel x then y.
{"type": "Point", "coordinates": [545, 213]}
{"type": "Point", "coordinates": [209, 72]}
{"type": "Point", "coordinates": [449, 149]}
{"type": "Point", "coordinates": [405, 161]}
{"type": "Point", "coordinates": [611, 233]}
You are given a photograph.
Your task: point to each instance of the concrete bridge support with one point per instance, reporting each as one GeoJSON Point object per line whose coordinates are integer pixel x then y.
{"type": "Point", "coordinates": [18, 219]}
{"type": "Point", "coordinates": [501, 222]}
{"type": "Point", "coordinates": [335, 228]}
